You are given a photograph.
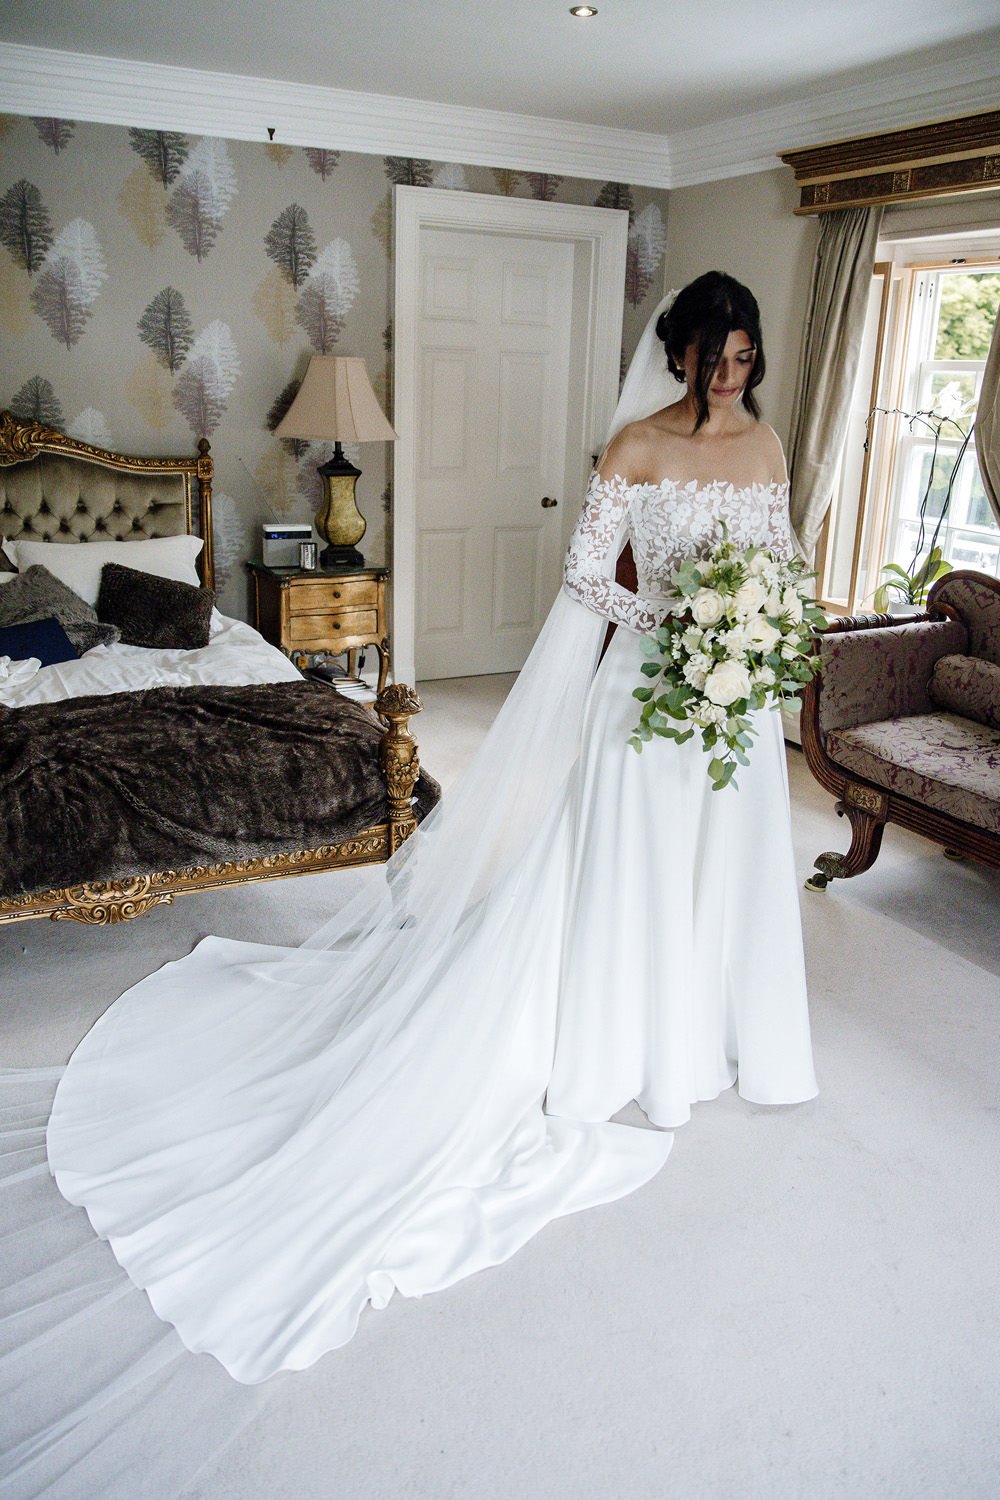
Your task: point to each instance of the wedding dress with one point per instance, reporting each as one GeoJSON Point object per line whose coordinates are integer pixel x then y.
{"type": "Point", "coordinates": [271, 1138]}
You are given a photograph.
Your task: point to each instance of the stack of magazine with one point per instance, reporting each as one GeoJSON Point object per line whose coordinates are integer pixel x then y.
{"type": "Point", "coordinates": [336, 676]}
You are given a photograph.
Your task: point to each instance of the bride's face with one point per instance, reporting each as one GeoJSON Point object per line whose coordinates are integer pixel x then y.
{"type": "Point", "coordinates": [730, 375]}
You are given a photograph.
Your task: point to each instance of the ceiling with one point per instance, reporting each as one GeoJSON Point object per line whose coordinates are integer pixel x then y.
{"type": "Point", "coordinates": [654, 66]}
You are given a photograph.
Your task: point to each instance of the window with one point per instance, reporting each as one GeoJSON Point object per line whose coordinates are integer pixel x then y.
{"type": "Point", "coordinates": [909, 477]}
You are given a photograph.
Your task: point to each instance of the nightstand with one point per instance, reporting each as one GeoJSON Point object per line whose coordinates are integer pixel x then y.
{"type": "Point", "coordinates": [319, 613]}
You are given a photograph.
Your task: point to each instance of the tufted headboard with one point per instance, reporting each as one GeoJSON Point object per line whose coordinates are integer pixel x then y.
{"type": "Point", "coordinates": [56, 489]}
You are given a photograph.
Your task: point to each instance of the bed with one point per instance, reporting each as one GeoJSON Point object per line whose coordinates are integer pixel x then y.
{"type": "Point", "coordinates": [135, 772]}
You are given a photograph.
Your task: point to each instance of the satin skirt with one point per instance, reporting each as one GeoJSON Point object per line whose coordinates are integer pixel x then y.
{"type": "Point", "coordinates": [265, 1166]}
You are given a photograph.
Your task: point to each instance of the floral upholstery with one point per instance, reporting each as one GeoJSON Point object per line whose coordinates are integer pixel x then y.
{"type": "Point", "coordinates": [967, 685]}
{"type": "Point", "coordinates": [943, 760]}
{"type": "Point", "coordinates": [979, 606]}
{"type": "Point", "coordinates": [873, 675]}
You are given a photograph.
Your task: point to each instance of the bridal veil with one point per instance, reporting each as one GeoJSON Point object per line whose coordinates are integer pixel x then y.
{"type": "Point", "coordinates": [270, 1138]}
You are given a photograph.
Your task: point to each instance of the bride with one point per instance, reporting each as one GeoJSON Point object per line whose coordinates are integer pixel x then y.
{"type": "Point", "coordinates": [270, 1138]}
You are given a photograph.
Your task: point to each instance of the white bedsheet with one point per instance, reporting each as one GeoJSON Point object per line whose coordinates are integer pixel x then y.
{"type": "Point", "coordinates": [235, 654]}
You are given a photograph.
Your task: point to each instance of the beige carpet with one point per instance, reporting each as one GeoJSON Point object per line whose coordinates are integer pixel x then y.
{"type": "Point", "coordinates": [801, 1306]}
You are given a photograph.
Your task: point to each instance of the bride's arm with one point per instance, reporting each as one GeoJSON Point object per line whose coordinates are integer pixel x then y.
{"type": "Point", "coordinates": [597, 539]}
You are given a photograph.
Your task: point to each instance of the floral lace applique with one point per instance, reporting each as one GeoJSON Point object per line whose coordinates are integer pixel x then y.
{"type": "Point", "coordinates": [593, 551]}
{"type": "Point", "coordinates": [668, 523]}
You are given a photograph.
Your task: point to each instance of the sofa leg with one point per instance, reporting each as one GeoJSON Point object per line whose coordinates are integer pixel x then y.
{"type": "Point", "coordinates": [866, 809]}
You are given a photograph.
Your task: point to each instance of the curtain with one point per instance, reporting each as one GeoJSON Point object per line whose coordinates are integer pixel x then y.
{"type": "Point", "coordinates": [828, 364]}
{"type": "Point", "coordinates": [988, 424]}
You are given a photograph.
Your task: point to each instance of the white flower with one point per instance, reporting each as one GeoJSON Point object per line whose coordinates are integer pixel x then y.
{"type": "Point", "coordinates": [791, 605]}
{"type": "Point", "coordinates": [695, 675]}
{"type": "Point", "coordinates": [789, 652]}
{"type": "Point", "coordinates": [707, 607]}
{"type": "Point", "coordinates": [749, 597]}
{"type": "Point", "coordinates": [763, 634]}
{"type": "Point", "coordinates": [772, 602]}
{"type": "Point", "coordinates": [758, 564]}
{"type": "Point", "coordinates": [726, 682]}
{"type": "Point", "coordinates": [765, 676]}
{"type": "Point", "coordinates": [692, 640]}
{"type": "Point", "coordinates": [702, 662]}
{"type": "Point", "coordinates": [708, 713]}
{"type": "Point", "coordinates": [736, 640]}
{"type": "Point", "coordinates": [950, 401]}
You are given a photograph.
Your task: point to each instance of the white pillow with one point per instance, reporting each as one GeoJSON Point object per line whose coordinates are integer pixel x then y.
{"type": "Point", "coordinates": [79, 564]}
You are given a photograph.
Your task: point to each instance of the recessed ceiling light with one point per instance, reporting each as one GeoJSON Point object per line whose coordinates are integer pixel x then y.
{"type": "Point", "coordinates": [583, 11]}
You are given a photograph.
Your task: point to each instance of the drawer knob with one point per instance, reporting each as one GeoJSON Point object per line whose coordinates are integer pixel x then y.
{"type": "Point", "coordinates": [336, 624]}
{"type": "Point", "coordinates": [336, 593]}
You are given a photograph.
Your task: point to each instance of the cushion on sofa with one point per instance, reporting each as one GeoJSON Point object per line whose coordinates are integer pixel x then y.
{"type": "Point", "coordinates": [870, 675]}
{"type": "Point", "coordinates": [967, 685]}
{"type": "Point", "coordinates": [947, 762]}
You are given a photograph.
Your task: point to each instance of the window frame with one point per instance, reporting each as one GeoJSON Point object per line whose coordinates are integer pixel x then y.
{"type": "Point", "coordinates": [892, 381]}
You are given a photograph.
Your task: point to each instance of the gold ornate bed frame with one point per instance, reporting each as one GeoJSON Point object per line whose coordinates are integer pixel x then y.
{"type": "Point", "coordinates": [104, 902]}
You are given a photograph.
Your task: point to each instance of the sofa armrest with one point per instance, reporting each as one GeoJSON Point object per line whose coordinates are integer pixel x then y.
{"type": "Point", "coordinates": [869, 674]}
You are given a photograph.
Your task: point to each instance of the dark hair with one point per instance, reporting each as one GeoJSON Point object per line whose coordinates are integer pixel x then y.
{"type": "Point", "coordinates": [705, 313]}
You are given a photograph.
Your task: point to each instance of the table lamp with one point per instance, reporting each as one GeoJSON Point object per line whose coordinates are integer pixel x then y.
{"type": "Point", "coordinates": [335, 402]}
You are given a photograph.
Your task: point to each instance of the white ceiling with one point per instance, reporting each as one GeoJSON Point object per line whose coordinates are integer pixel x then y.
{"type": "Point", "coordinates": [663, 67]}
{"type": "Point", "coordinates": [651, 65]}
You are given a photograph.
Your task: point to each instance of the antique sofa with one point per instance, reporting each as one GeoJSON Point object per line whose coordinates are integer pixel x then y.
{"type": "Point", "coordinates": [903, 725]}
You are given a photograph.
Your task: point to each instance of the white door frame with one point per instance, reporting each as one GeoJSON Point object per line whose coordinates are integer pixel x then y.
{"type": "Point", "coordinates": [600, 236]}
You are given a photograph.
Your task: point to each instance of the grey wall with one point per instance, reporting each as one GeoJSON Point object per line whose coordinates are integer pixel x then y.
{"type": "Point", "coordinates": [746, 227]}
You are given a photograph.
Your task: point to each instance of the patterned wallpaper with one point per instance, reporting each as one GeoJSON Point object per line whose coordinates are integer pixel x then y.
{"type": "Point", "coordinates": [156, 287]}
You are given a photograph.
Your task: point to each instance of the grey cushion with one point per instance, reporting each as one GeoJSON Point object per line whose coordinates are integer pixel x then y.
{"type": "Point", "coordinates": [36, 594]}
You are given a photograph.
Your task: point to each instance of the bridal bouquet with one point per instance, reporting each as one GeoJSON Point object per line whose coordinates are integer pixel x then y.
{"type": "Point", "coordinates": [742, 639]}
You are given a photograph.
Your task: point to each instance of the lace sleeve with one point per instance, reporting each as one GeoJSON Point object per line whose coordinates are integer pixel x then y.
{"type": "Point", "coordinates": [593, 551]}
{"type": "Point", "coordinates": [780, 538]}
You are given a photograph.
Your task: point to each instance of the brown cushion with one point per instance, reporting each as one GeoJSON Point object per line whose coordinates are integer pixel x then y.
{"type": "Point", "coordinates": [158, 613]}
{"type": "Point", "coordinates": [967, 685]}
{"type": "Point", "coordinates": [949, 763]}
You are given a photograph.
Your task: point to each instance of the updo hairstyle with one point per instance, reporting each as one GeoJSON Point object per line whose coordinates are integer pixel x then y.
{"type": "Point", "coordinates": [705, 313]}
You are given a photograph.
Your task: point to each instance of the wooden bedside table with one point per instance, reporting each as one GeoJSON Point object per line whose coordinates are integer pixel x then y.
{"type": "Point", "coordinates": [322, 614]}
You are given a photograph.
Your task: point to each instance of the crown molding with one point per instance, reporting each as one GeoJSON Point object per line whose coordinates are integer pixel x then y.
{"type": "Point", "coordinates": [73, 85]}
{"type": "Point", "coordinates": [752, 143]}
{"type": "Point", "coordinates": [115, 91]}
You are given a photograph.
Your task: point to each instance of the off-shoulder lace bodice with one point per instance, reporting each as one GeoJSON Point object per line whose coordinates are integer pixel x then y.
{"type": "Point", "coordinates": [667, 523]}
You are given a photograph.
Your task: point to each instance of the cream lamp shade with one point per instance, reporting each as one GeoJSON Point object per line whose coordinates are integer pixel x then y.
{"type": "Point", "coordinates": [336, 402]}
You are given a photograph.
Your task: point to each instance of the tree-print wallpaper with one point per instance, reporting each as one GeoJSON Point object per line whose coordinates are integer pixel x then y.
{"type": "Point", "coordinates": [157, 287]}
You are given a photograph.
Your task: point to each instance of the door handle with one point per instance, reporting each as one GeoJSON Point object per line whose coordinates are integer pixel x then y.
{"type": "Point", "coordinates": [548, 502]}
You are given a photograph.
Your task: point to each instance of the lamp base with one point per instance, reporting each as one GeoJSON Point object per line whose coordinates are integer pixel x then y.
{"type": "Point", "coordinates": [340, 557]}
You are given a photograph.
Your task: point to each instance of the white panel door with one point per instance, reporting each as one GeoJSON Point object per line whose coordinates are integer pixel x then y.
{"type": "Point", "coordinates": [492, 388]}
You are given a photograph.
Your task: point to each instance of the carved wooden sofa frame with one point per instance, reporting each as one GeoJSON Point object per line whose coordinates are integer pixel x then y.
{"type": "Point", "coordinates": [104, 902]}
{"type": "Point", "coordinates": [867, 805]}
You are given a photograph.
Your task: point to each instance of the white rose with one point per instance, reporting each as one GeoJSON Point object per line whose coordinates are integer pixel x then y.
{"type": "Point", "coordinates": [695, 675]}
{"type": "Point", "coordinates": [757, 564]}
{"type": "Point", "coordinates": [727, 682]}
{"type": "Point", "coordinates": [707, 607]}
{"type": "Point", "coordinates": [791, 604]}
{"type": "Point", "coordinates": [772, 603]}
{"type": "Point", "coordinates": [763, 634]}
{"type": "Point", "coordinates": [749, 597]}
{"type": "Point", "coordinates": [766, 676]}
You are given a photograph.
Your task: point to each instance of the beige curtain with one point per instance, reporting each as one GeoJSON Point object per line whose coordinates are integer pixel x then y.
{"type": "Point", "coordinates": [988, 424]}
{"type": "Point", "coordinates": [828, 364]}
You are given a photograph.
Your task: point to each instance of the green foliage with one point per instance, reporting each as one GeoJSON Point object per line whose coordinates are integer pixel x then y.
{"type": "Point", "coordinates": [969, 306]}
{"type": "Point", "coordinates": [911, 588]}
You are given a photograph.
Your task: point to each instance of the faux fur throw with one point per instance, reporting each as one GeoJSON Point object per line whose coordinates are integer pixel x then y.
{"type": "Point", "coordinates": [37, 594]}
{"type": "Point", "coordinates": [104, 788]}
